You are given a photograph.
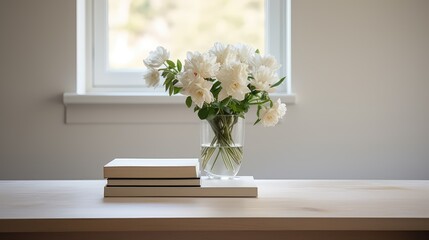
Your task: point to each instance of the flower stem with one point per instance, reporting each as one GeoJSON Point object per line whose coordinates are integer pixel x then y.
{"type": "Point", "coordinates": [222, 142]}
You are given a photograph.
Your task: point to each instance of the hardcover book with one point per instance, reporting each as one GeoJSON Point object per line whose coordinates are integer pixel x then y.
{"type": "Point", "coordinates": [152, 168]}
{"type": "Point", "coordinates": [193, 182]}
{"type": "Point", "coordinates": [237, 187]}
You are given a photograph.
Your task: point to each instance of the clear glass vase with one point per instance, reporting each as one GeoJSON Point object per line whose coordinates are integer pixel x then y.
{"type": "Point", "coordinates": [222, 140]}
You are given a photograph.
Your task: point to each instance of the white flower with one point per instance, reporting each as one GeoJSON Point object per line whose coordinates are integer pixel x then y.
{"type": "Point", "coordinates": [204, 65]}
{"type": "Point", "coordinates": [200, 92]}
{"type": "Point", "coordinates": [263, 78]}
{"type": "Point", "coordinates": [234, 82]}
{"type": "Point", "coordinates": [224, 55]}
{"type": "Point", "coordinates": [270, 117]}
{"type": "Point", "coordinates": [185, 79]}
{"type": "Point", "coordinates": [280, 108]}
{"type": "Point", "coordinates": [197, 87]}
{"type": "Point", "coordinates": [244, 52]}
{"type": "Point", "coordinates": [156, 58]}
{"type": "Point", "coordinates": [268, 61]}
{"type": "Point", "coordinates": [151, 77]}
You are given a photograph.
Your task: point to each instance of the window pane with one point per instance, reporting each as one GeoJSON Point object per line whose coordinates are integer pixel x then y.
{"type": "Point", "coordinates": [139, 26]}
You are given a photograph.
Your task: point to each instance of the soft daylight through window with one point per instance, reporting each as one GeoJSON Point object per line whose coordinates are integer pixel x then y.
{"type": "Point", "coordinates": [136, 27]}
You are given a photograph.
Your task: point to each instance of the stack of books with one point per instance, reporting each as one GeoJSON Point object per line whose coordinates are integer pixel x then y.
{"type": "Point", "coordinates": [169, 178]}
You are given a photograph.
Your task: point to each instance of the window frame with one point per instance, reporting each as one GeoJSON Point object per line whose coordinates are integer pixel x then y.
{"type": "Point", "coordinates": [87, 93]}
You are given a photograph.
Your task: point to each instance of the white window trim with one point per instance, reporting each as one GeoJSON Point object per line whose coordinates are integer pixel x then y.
{"type": "Point", "coordinates": [87, 94]}
{"type": "Point", "coordinates": [104, 80]}
{"type": "Point", "coordinates": [142, 98]}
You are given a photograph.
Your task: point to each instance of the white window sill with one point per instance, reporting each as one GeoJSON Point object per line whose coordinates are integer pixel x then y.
{"type": "Point", "coordinates": [141, 98]}
{"type": "Point", "coordinates": [136, 108]}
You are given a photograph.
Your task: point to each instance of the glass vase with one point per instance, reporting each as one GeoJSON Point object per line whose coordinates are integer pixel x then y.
{"type": "Point", "coordinates": [222, 140]}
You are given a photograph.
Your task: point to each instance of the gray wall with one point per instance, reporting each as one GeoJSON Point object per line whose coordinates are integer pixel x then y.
{"type": "Point", "coordinates": [360, 72]}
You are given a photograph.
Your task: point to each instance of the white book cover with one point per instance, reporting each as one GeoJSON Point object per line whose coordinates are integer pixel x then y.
{"type": "Point", "coordinates": [152, 168]}
{"type": "Point", "coordinates": [243, 186]}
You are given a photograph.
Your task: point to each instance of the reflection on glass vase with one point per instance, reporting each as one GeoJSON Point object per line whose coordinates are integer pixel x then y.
{"type": "Point", "coordinates": [222, 140]}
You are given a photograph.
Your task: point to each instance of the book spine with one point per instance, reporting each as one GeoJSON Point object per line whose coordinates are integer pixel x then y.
{"type": "Point", "coordinates": [194, 182]}
{"type": "Point", "coordinates": [178, 192]}
{"type": "Point", "coordinates": [115, 172]}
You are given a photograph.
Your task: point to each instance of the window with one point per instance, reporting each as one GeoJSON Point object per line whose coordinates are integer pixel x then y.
{"type": "Point", "coordinates": [138, 26]}
{"type": "Point", "coordinates": [115, 35]}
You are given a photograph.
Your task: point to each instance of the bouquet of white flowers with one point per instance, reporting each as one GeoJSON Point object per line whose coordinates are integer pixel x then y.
{"type": "Point", "coordinates": [225, 81]}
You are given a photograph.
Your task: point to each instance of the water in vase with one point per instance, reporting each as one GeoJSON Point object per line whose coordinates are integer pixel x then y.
{"type": "Point", "coordinates": [221, 162]}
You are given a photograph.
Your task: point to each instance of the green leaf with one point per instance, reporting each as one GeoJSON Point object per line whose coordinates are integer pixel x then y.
{"type": "Point", "coordinates": [257, 121]}
{"type": "Point", "coordinates": [245, 107]}
{"type": "Point", "coordinates": [225, 102]}
{"type": "Point", "coordinates": [215, 89]}
{"type": "Point", "coordinates": [278, 83]}
{"type": "Point", "coordinates": [259, 109]}
{"type": "Point", "coordinates": [252, 89]}
{"type": "Point", "coordinates": [234, 108]}
{"type": "Point", "coordinates": [203, 113]}
{"type": "Point", "coordinates": [216, 92]}
{"type": "Point", "coordinates": [171, 64]}
{"type": "Point", "coordinates": [215, 85]}
{"type": "Point", "coordinates": [211, 114]}
{"type": "Point", "coordinates": [169, 78]}
{"type": "Point", "coordinates": [238, 107]}
{"type": "Point", "coordinates": [257, 51]}
{"type": "Point", "coordinates": [170, 90]}
{"type": "Point", "coordinates": [196, 108]}
{"type": "Point", "coordinates": [179, 65]}
{"type": "Point", "coordinates": [188, 101]}
{"type": "Point", "coordinates": [176, 90]}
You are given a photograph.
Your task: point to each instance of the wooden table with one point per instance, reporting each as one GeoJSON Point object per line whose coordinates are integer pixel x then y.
{"type": "Point", "coordinates": [299, 209]}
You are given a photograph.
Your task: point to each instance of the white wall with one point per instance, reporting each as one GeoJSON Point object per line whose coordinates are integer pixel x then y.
{"type": "Point", "coordinates": [360, 72]}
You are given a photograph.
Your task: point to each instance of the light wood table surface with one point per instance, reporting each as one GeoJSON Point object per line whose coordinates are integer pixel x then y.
{"type": "Point", "coordinates": [299, 209]}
